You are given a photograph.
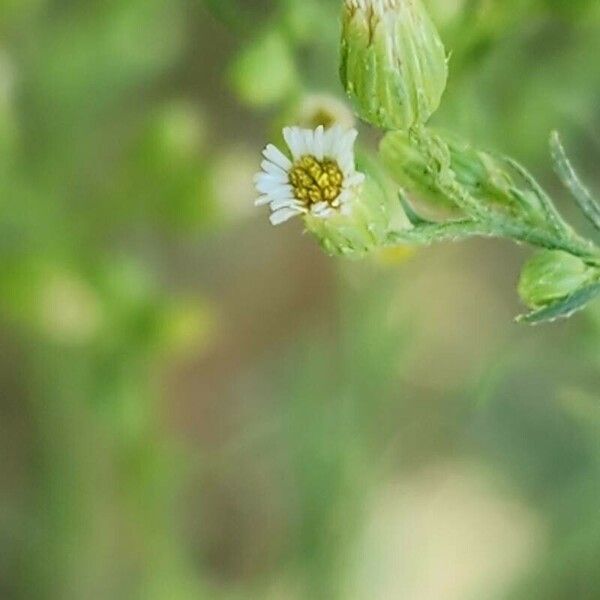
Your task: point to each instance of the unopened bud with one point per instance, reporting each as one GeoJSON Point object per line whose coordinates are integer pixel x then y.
{"type": "Point", "coordinates": [393, 65]}
{"type": "Point", "coordinates": [551, 276]}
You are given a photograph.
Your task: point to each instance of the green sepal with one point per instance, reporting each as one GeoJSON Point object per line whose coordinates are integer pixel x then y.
{"type": "Point", "coordinates": [564, 308]}
{"type": "Point", "coordinates": [376, 211]}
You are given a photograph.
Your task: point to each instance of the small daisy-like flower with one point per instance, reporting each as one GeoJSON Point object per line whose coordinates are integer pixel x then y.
{"type": "Point", "coordinates": [320, 179]}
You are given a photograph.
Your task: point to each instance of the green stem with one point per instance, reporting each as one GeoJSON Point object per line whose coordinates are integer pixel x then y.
{"type": "Point", "coordinates": [544, 239]}
{"type": "Point", "coordinates": [485, 222]}
{"type": "Point", "coordinates": [438, 232]}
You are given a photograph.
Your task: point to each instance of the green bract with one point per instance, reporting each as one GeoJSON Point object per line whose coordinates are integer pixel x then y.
{"type": "Point", "coordinates": [393, 62]}
{"type": "Point", "coordinates": [375, 210]}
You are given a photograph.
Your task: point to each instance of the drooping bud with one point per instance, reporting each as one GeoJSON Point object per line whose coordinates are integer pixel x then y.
{"type": "Point", "coordinates": [551, 276]}
{"type": "Point", "coordinates": [393, 63]}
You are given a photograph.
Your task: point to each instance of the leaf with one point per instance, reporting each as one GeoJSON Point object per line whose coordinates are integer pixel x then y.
{"type": "Point", "coordinates": [570, 179]}
{"type": "Point", "coordinates": [564, 308]}
{"type": "Point", "coordinates": [552, 216]}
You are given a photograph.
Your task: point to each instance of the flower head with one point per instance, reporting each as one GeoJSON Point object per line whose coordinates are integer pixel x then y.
{"type": "Point", "coordinates": [319, 179]}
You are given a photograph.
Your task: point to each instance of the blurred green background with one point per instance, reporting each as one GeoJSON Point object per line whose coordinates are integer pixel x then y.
{"type": "Point", "coordinates": [197, 405]}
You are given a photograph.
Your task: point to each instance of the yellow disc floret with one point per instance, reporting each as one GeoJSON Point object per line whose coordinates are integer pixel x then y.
{"type": "Point", "coordinates": [316, 181]}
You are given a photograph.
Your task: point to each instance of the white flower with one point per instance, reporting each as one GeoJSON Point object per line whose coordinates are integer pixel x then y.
{"type": "Point", "coordinates": [320, 179]}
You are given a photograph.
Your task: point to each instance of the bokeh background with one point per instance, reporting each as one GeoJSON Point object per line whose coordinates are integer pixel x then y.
{"type": "Point", "coordinates": [197, 405]}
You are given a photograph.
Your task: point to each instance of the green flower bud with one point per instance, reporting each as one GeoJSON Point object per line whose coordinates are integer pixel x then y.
{"type": "Point", "coordinates": [551, 276]}
{"type": "Point", "coordinates": [428, 165]}
{"type": "Point", "coordinates": [393, 62]}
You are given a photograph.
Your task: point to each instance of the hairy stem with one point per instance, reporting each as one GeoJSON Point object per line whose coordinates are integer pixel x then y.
{"type": "Point", "coordinates": [438, 232]}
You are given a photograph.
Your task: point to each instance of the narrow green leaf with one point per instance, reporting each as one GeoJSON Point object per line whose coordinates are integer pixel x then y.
{"type": "Point", "coordinates": [570, 179]}
{"type": "Point", "coordinates": [552, 216]}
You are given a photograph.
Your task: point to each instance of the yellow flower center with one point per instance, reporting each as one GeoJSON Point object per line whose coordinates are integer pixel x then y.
{"type": "Point", "coordinates": [316, 181]}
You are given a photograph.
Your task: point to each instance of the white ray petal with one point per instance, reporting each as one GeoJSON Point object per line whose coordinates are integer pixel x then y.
{"type": "Point", "coordinates": [346, 164]}
{"type": "Point", "coordinates": [344, 152]}
{"type": "Point", "coordinates": [319, 142]}
{"type": "Point", "coordinates": [309, 141]}
{"type": "Point", "coordinates": [344, 197]}
{"type": "Point", "coordinates": [262, 200]}
{"type": "Point", "coordinates": [284, 191]}
{"type": "Point", "coordinates": [283, 215]}
{"type": "Point", "coordinates": [276, 156]}
{"type": "Point", "coordinates": [319, 207]}
{"type": "Point", "coordinates": [335, 134]}
{"type": "Point", "coordinates": [348, 138]}
{"type": "Point", "coordinates": [267, 185]}
{"type": "Point", "coordinates": [327, 143]}
{"type": "Point", "coordinates": [324, 213]}
{"type": "Point", "coordinates": [294, 141]}
{"type": "Point", "coordinates": [286, 202]}
{"type": "Point", "coordinates": [354, 180]}
{"type": "Point", "coordinates": [301, 142]}
{"type": "Point", "coordinates": [272, 169]}
{"type": "Point", "coordinates": [265, 178]}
